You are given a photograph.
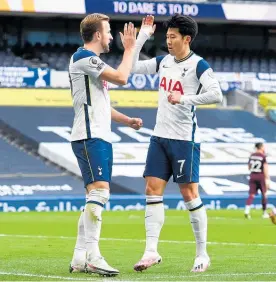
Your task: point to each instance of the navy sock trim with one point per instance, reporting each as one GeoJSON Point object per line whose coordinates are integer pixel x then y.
{"type": "Point", "coordinates": [94, 202]}
{"type": "Point", "coordinates": [197, 208]}
{"type": "Point", "coordinates": [154, 203]}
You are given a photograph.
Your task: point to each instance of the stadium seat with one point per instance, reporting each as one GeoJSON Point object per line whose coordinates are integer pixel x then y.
{"type": "Point", "coordinates": [57, 56]}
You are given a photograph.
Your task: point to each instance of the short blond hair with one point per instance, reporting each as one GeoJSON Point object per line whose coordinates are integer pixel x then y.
{"type": "Point", "coordinates": [91, 24]}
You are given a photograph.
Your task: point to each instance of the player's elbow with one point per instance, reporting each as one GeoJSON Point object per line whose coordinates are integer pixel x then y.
{"type": "Point", "coordinates": [118, 77]}
{"type": "Point", "coordinates": [218, 95]}
{"type": "Point", "coordinates": [134, 68]}
{"type": "Point", "coordinates": [122, 81]}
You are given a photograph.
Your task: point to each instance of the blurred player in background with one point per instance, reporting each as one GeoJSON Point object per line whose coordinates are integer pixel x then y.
{"type": "Point", "coordinates": [91, 132]}
{"type": "Point", "coordinates": [259, 179]}
{"type": "Point", "coordinates": [175, 145]}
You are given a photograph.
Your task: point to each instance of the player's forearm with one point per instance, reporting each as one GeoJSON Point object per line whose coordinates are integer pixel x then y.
{"type": "Point", "coordinates": [139, 67]}
{"type": "Point", "coordinates": [266, 175]}
{"type": "Point", "coordinates": [124, 68]}
{"type": "Point", "coordinates": [212, 96]}
{"type": "Point", "coordinates": [119, 117]}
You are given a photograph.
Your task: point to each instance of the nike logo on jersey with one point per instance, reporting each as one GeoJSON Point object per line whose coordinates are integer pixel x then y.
{"type": "Point", "coordinates": [179, 175]}
{"type": "Point", "coordinates": [165, 67]}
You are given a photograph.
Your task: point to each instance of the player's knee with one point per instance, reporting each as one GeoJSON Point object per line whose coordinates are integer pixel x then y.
{"type": "Point", "coordinates": [153, 190]}
{"type": "Point", "coordinates": [189, 191]}
{"type": "Point", "coordinates": [96, 200]}
{"type": "Point", "coordinates": [189, 196]}
{"type": "Point", "coordinates": [96, 184]}
{"type": "Point", "coordinates": [155, 186]}
{"type": "Point", "coordinates": [99, 195]}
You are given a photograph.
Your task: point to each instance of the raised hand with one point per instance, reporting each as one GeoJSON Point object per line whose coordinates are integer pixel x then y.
{"type": "Point", "coordinates": [148, 25]}
{"type": "Point", "coordinates": [129, 36]}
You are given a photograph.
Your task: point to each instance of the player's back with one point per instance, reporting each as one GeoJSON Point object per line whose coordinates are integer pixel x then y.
{"type": "Point", "coordinates": [91, 100]}
{"type": "Point", "coordinates": [179, 121]}
{"type": "Point", "coordinates": [256, 165]}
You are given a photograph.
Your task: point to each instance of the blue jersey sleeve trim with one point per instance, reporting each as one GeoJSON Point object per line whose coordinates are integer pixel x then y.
{"type": "Point", "coordinates": [81, 54]}
{"type": "Point", "coordinates": [201, 67]}
{"type": "Point", "coordinates": [158, 61]}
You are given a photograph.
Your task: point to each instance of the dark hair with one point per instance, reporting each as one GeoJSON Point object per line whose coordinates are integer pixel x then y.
{"type": "Point", "coordinates": [185, 24]}
{"type": "Point", "coordinates": [91, 24]}
{"type": "Point", "coordinates": [259, 145]}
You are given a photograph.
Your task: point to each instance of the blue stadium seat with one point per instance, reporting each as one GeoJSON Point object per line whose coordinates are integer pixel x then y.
{"type": "Point", "coordinates": [57, 57]}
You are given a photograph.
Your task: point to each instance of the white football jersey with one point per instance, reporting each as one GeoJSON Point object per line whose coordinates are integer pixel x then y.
{"type": "Point", "coordinates": [178, 121]}
{"type": "Point", "coordinates": [188, 76]}
{"type": "Point", "coordinates": [91, 100]}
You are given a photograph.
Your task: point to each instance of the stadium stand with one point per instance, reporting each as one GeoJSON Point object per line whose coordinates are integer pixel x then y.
{"type": "Point", "coordinates": [40, 47]}
{"type": "Point", "coordinates": [57, 57]}
{"type": "Point", "coordinates": [231, 131]}
{"type": "Point", "coordinates": [52, 56]}
{"type": "Point", "coordinates": [19, 148]}
{"type": "Point", "coordinates": [17, 162]}
{"type": "Point", "coordinates": [24, 173]}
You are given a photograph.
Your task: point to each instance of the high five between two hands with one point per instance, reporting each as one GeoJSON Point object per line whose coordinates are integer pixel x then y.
{"type": "Point", "coordinates": [128, 39]}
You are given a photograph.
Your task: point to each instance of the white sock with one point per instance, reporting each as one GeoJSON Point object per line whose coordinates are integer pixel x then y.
{"type": "Point", "coordinates": [247, 209]}
{"type": "Point", "coordinates": [154, 220]}
{"type": "Point", "coordinates": [79, 255]}
{"type": "Point", "coordinates": [198, 219]}
{"type": "Point", "coordinates": [93, 220]}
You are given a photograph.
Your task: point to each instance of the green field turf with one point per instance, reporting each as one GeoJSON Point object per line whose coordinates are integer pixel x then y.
{"type": "Point", "coordinates": [38, 246]}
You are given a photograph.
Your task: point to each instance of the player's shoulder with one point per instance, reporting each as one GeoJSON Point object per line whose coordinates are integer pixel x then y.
{"type": "Point", "coordinates": [84, 54]}
{"type": "Point", "coordinates": [254, 154]}
{"type": "Point", "coordinates": [196, 58]}
{"type": "Point", "coordinates": [200, 64]}
{"type": "Point", "coordinates": [200, 61]}
{"type": "Point", "coordinates": [262, 155]}
{"type": "Point", "coordinates": [163, 59]}
{"type": "Point", "coordinates": [257, 155]}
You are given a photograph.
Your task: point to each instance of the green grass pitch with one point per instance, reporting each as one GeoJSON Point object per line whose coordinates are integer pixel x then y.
{"type": "Point", "coordinates": [38, 246]}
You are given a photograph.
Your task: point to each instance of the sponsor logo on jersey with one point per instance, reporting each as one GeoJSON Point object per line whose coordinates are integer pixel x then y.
{"type": "Point", "coordinates": [171, 85]}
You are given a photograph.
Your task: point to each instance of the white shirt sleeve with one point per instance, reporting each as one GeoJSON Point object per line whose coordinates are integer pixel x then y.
{"type": "Point", "coordinates": [207, 79]}
{"type": "Point", "coordinates": [146, 66]}
{"type": "Point", "coordinates": [92, 66]}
